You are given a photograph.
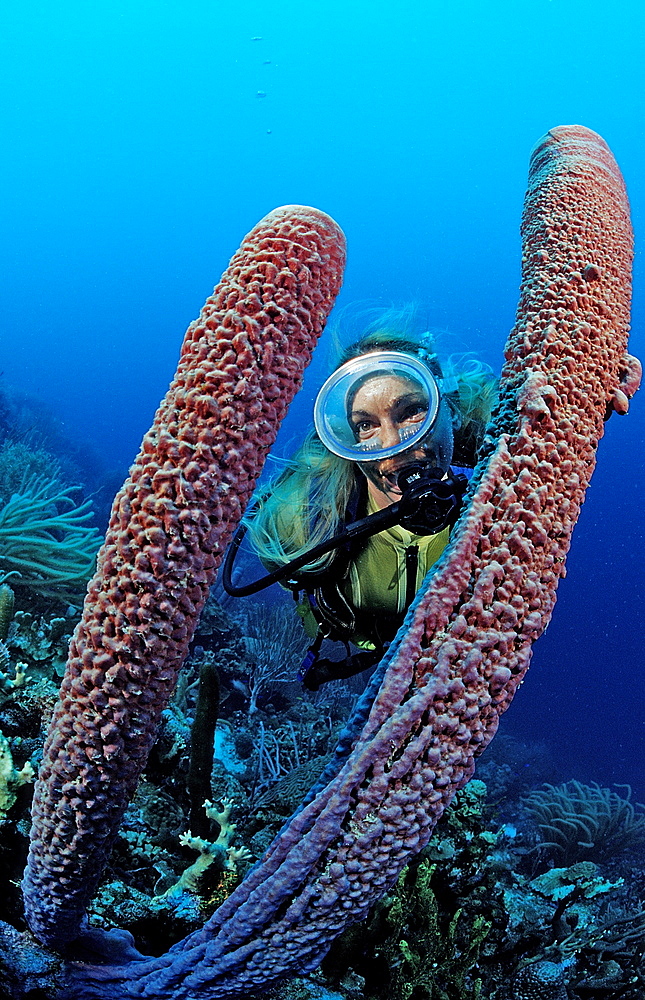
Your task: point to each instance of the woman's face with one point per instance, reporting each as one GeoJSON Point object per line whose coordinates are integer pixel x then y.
{"type": "Point", "coordinates": [389, 409]}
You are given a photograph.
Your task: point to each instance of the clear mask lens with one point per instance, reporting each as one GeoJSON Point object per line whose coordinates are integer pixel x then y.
{"type": "Point", "coordinates": [376, 406]}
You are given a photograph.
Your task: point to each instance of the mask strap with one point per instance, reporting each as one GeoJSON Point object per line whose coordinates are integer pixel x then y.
{"type": "Point", "coordinates": [448, 385]}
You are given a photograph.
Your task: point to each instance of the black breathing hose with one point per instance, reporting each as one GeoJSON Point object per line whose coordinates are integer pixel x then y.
{"type": "Point", "coordinates": [430, 502]}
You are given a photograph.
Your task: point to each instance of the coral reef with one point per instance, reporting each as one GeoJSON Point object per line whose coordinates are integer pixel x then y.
{"type": "Point", "coordinates": [425, 938]}
{"type": "Point", "coordinates": [464, 921]}
{"type": "Point", "coordinates": [418, 946]}
{"type": "Point", "coordinates": [41, 641]}
{"type": "Point", "coordinates": [468, 917]}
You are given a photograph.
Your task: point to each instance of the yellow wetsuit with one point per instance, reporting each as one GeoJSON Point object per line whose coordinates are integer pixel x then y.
{"type": "Point", "coordinates": [380, 582]}
{"type": "Point", "coordinates": [389, 570]}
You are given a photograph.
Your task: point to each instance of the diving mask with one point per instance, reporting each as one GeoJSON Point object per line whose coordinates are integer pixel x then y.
{"type": "Point", "coordinates": [376, 406]}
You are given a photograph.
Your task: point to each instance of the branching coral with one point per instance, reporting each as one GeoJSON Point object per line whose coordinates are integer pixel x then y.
{"type": "Point", "coordinates": [10, 778]}
{"type": "Point", "coordinates": [46, 544]}
{"type": "Point", "coordinates": [219, 851]}
{"type": "Point", "coordinates": [10, 679]}
{"type": "Point", "coordinates": [585, 821]}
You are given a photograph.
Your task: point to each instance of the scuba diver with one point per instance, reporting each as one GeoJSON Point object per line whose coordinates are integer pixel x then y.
{"type": "Point", "coordinates": [365, 506]}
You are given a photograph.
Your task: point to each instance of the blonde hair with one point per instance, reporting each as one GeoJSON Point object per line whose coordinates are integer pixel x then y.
{"type": "Point", "coordinates": [306, 504]}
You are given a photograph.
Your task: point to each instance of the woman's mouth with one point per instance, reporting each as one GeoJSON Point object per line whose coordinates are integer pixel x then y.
{"type": "Point", "coordinates": [390, 468]}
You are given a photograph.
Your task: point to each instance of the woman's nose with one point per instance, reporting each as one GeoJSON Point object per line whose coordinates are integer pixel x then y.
{"type": "Point", "coordinates": [390, 433]}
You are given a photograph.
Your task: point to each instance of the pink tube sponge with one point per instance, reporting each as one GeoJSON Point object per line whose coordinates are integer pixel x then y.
{"type": "Point", "coordinates": [241, 364]}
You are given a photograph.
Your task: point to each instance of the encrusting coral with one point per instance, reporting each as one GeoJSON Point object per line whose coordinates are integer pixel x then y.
{"type": "Point", "coordinates": [449, 675]}
{"type": "Point", "coordinates": [539, 981]}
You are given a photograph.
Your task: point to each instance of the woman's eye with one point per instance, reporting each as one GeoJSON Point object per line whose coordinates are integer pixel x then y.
{"type": "Point", "coordinates": [415, 411]}
{"type": "Point", "coordinates": [363, 428]}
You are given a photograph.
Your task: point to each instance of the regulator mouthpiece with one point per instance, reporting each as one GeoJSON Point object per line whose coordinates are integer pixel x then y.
{"type": "Point", "coordinates": [431, 500]}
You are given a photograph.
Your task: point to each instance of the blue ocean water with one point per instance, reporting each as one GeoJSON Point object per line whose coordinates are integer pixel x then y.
{"type": "Point", "coordinates": [142, 140]}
